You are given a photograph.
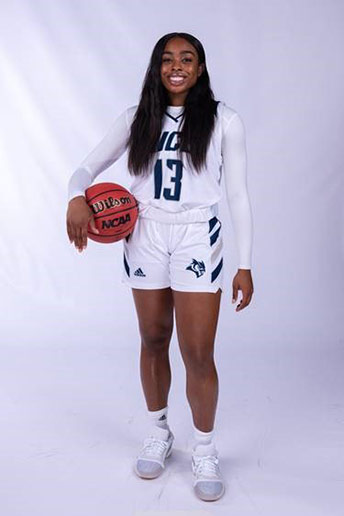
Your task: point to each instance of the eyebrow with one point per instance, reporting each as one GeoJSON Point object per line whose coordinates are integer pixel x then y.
{"type": "Point", "coordinates": [181, 52]}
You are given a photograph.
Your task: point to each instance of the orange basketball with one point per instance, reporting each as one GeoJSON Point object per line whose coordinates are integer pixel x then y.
{"type": "Point", "coordinates": [115, 212]}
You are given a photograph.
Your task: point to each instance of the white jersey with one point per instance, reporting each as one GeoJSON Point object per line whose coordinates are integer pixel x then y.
{"type": "Point", "coordinates": [172, 192]}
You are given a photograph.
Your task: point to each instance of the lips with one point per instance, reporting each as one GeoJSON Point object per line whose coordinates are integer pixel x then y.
{"type": "Point", "coordinates": [176, 79]}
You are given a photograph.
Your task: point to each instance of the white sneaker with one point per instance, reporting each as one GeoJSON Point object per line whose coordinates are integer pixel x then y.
{"type": "Point", "coordinates": [150, 462]}
{"type": "Point", "coordinates": [208, 482]}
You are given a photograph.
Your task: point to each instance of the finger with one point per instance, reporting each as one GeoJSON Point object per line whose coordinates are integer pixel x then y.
{"type": "Point", "coordinates": [78, 239]}
{"type": "Point", "coordinates": [239, 306]}
{"type": "Point", "coordinates": [235, 293]}
{"type": "Point", "coordinates": [244, 302]}
{"type": "Point", "coordinates": [84, 237]}
{"type": "Point", "coordinates": [93, 226]}
{"type": "Point", "coordinates": [70, 232]}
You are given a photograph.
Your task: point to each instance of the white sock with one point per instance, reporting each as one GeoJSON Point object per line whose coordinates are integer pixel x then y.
{"type": "Point", "coordinates": [159, 417]}
{"type": "Point", "coordinates": [201, 437]}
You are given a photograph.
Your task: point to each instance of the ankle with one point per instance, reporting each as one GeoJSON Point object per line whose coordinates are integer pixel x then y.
{"type": "Point", "coordinates": [200, 437]}
{"type": "Point", "coordinates": [159, 417]}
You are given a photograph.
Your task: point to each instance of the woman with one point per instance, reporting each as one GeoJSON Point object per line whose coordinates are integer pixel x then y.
{"type": "Point", "coordinates": [180, 142]}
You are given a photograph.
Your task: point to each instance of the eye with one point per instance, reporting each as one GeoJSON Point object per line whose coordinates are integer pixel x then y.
{"type": "Point", "coordinates": [169, 59]}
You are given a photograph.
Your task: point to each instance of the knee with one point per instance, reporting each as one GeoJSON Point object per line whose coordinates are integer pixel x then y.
{"type": "Point", "coordinates": [156, 338]}
{"type": "Point", "coordinates": [199, 360]}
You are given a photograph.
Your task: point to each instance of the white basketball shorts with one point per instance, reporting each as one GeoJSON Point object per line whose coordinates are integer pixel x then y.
{"type": "Point", "coordinates": [183, 256]}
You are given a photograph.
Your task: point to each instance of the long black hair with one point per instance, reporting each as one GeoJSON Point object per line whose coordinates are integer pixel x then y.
{"type": "Point", "coordinates": [198, 117]}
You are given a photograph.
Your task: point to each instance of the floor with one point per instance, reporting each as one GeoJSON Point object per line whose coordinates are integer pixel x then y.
{"type": "Point", "coordinates": [73, 416]}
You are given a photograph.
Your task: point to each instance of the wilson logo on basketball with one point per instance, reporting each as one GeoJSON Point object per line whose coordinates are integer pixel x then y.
{"type": "Point", "coordinates": [108, 203]}
{"type": "Point", "coordinates": [115, 212]}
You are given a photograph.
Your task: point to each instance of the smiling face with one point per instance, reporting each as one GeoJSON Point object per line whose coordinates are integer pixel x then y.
{"type": "Point", "coordinates": [179, 69]}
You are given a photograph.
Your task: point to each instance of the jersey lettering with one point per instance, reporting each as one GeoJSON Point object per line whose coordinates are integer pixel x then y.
{"type": "Point", "coordinates": [168, 142]}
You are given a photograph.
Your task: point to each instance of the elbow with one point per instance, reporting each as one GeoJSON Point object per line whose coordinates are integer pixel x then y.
{"type": "Point", "coordinates": [237, 197]}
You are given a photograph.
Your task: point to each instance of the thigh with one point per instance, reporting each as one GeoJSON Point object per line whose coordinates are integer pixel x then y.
{"type": "Point", "coordinates": [196, 322]}
{"type": "Point", "coordinates": [154, 308]}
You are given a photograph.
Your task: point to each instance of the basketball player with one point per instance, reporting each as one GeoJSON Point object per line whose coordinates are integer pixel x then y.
{"type": "Point", "coordinates": [180, 143]}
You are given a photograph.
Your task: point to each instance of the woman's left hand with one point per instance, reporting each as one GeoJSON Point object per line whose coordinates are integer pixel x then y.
{"type": "Point", "coordinates": [242, 281]}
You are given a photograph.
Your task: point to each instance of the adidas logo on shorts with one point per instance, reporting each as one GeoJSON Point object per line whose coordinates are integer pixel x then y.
{"type": "Point", "coordinates": [139, 272]}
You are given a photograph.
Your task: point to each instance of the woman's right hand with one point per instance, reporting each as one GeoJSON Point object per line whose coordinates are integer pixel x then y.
{"type": "Point", "coordinates": [79, 216]}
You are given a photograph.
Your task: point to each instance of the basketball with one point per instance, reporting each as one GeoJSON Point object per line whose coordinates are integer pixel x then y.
{"type": "Point", "coordinates": [115, 212]}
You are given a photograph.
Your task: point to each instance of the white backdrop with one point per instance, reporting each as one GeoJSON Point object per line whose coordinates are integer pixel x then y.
{"type": "Point", "coordinates": [69, 334]}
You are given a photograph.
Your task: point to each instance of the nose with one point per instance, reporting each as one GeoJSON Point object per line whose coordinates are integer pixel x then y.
{"type": "Point", "coordinates": [176, 65]}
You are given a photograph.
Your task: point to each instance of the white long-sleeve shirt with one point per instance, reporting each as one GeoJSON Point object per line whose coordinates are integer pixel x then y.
{"type": "Point", "coordinates": [173, 192]}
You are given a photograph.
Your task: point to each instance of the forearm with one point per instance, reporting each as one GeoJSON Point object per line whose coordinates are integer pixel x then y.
{"type": "Point", "coordinates": [235, 179]}
{"type": "Point", "coordinates": [242, 223]}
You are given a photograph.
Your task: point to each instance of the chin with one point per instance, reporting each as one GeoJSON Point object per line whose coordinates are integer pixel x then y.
{"type": "Point", "coordinates": [174, 89]}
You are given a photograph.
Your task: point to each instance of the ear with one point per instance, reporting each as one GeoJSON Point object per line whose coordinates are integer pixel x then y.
{"type": "Point", "coordinates": [200, 69]}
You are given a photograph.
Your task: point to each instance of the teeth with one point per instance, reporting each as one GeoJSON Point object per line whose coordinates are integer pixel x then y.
{"type": "Point", "coordinates": [177, 79]}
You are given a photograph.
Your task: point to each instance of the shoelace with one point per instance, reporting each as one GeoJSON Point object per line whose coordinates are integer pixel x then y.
{"type": "Point", "coordinates": [207, 464]}
{"type": "Point", "coordinates": [154, 445]}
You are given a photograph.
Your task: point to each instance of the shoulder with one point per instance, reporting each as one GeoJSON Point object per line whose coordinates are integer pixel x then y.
{"type": "Point", "coordinates": [230, 118]}
{"type": "Point", "coordinates": [132, 109]}
{"type": "Point", "coordinates": [227, 113]}
{"type": "Point", "coordinates": [130, 113]}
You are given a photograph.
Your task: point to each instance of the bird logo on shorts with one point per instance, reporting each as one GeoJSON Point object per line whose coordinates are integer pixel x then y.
{"type": "Point", "coordinates": [197, 267]}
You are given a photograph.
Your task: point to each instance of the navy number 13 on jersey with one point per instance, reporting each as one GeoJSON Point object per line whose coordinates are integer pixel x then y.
{"type": "Point", "coordinates": [173, 193]}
